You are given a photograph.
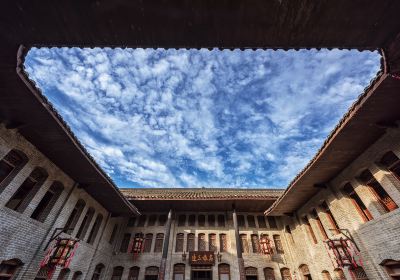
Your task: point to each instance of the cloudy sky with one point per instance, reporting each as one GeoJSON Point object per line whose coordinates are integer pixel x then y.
{"type": "Point", "coordinates": [192, 118]}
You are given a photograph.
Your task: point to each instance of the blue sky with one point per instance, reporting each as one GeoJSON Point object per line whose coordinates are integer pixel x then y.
{"type": "Point", "coordinates": [193, 118]}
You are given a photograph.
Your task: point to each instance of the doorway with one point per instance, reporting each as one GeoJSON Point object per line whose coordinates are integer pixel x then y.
{"type": "Point", "coordinates": [251, 273]}
{"type": "Point", "coordinates": [201, 274]}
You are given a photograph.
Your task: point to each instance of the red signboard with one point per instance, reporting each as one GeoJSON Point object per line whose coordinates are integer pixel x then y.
{"type": "Point", "coordinates": [201, 258]}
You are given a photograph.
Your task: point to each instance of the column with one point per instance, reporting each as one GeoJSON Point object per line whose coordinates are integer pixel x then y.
{"type": "Point", "coordinates": [161, 273]}
{"type": "Point", "coordinates": [238, 246]}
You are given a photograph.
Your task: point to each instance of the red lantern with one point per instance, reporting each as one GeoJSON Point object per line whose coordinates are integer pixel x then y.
{"type": "Point", "coordinates": [265, 245]}
{"type": "Point", "coordinates": [137, 245]}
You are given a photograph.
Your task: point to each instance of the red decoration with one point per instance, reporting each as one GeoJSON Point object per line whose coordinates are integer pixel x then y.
{"type": "Point", "coordinates": [344, 253]}
{"type": "Point", "coordinates": [136, 246]}
{"type": "Point", "coordinates": [265, 245]}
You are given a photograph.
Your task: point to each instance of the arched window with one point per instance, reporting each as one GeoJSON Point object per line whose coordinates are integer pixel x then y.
{"type": "Point", "coordinates": [362, 210]}
{"type": "Point", "coordinates": [10, 165]}
{"type": "Point", "coordinates": [117, 273]}
{"type": "Point", "coordinates": [339, 274]}
{"type": "Point", "coordinates": [240, 220]}
{"type": "Point", "coordinates": [212, 242]}
{"type": "Point", "coordinates": [192, 220]}
{"type": "Point", "coordinates": [261, 222]}
{"type": "Point", "coordinates": [134, 273]}
{"type": "Point", "coordinates": [74, 216]}
{"type": "Point", "coordinates": [223, 243]}
{"type": "Point", "coordinates": [85, 223]}
{"type": "Point", "coordinates": [255, 244]}
{"type": "Point", "coordinates": [269, 273]}
{"type": "Point", "coordinates": [251, 273]}
{"type": "Point", "coordinates": [289, 231]}
{"type": "Point", "coordinates": [77, 275]}
{"type": "Point", "coordinates": [151, 273]}
{"type": "Point", "coordinates": [305, 272]}
{"type": "Point", "coordinates": [9, 268]}
{"type": "Point", "coordinates": [358, 273]}
{"type": "Point", "coordinates": [180, 240]}
{"type": "Point", "coordinates": [97, 271]}
{"type": "Point", "coordinates": [47, 202]}
{"type": "Point", "coordinates": [159, 242]}
{"type": "Point", "coordinates": [309, 230]}
{"type": "Point", "coordinates": [142, 221]}
{"type": "Point", "coordinates": [190, 242]}
{"type": "Point", "coordinates": [211, 220]}
{"type": "Point", "coordinates": [285, 274]}
{"type": "Point", "coordinates": [278, 244]}
{"type": "Point", "coordinates": [221, 220]}
{"type": "Point", "coordinates": [378, 191]}
{"type": "Point", "coordinates": [23, 196]}
{"type": "Point", "coordinates": [42, 274]}
{"type": "Point", "coordinates": [201, 220]}
{"type": "Point", "coordinates": [147, 242]}
{"type": "Point", "coordinates": [391, 162]}
{"type": "Point", "coordinates": [244, 243]}
{"type": "Point", "coordinates": [179, 271]}
{"type": "Point", "coordinates": [392, 268]}
{"type": "Point", "coordinates": [326, 275]}
{"type": "Point", "coordinates": [181, 220]}
{"type": "Point", "coordinates": [64, 274]}
{"type": "Point", "coordinates": [202, 242]}
{"type": "Point", "coordinates": [224, 271]}
{"type": "Point", "coordinates": [113, 234]}
{"type": "Point", "coordinates": [125, 243]}
{"type": "Point", "coordinates": [162, 220]}
{"type": "Point", "coordinates": [250, 221]}
{"type": "Point", "coordinates": [152, 220]}
{"type": "Point", "coordinates": [333, 223]}
{"type": "Point", "coordinates": [95, 229]}
{"type": "Point", "coordinates": [321, 227]}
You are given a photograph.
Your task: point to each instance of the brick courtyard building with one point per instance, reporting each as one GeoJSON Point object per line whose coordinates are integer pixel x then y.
{"type": "Point", "coordinates": [350, 190]}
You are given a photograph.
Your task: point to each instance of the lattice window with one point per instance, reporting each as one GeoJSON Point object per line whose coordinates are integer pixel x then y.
{"type": "Point", "coordinates": [285, 273]}
{"type": "Point", "coordinates": [326, 275]}
{"type": "Point", "coordinates": [278, 244]}
{"type": "Point", "coordinates": [148, 240]}
{"type": "Point", "coordinates": [125, 243]}
{"type": "Point", "coordinates": [180, 239]}
{"type": "Point", "coordinates": [224, 272]}
{"type": "Point", "coordinates": [320, 226]}
{"type": "Point", "coordinates": [359, 273]}
{"type": "Point", "coordinates": [244, 243]}
{"type": "Point", "coordinates": [134, 273]}
{"type": "Point", "coordinates": [179, 272]}
{"type": "Point", "coordinates": [223, 242]}
{"type": "Point", "coordinates": [309, 229]}
{"type": "Point", "coordinates": [202, 242]}
{"type": "Point", "coordinates": [330, 217]}
{"type": "Point", "coordinates": [339, 274]}
{"type": "Point", "coordinates": [117, 273]}
{"type": "Point", "coordinates": [212, 237]}
{"type": "Point", "coordinates": [357, 202]}
{"type": "Point", "coordinates": [269, 273]}
{"type": "Point", "coordinates": [255, 243]}
{"type": "Point", "coordinates": [190, 242]}
{"type": "Point", "coordinates": [159, 242]}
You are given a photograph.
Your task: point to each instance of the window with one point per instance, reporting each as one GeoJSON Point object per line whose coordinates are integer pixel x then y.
{"type": "Point", "coordinates": [378, 191]}
{"type": "Point", "coordinates": [269, 273]}
{"type": "Point", "coordinates": [113, 234]}
{"type": "Point", "coordinates": [212, 242]}
{"type": "Point", "coordinates": [152, 220]}
{"type": "Point", "coordinates": [202, 242]}
{"type": "Point", "coordinates": [133, 273]}
{"type": "Point", "coordinates": [125, 243]}
{"type": "Point", "coordinates": [261, 222]}
{"type": "Point", "coordinates": [241, 222]}
{"type": "Point", "coordinates": [95, 229]}
{"type": "Point", "coordinates": [244, 243]}
{"type": "Point", "coordinates": [358, 273]}
{"type": "Point", "coordinates": [304, 271]}
{"type": "Point", "coordinates": [223, 243]}
{"type": "Point", "coordinates": [159, 242]}
{"type": "Point", "coordinates": [309, 230]}
{"type": "Point", "coordinates": [42, 273]}
{"type": "Point", "coordinates": [74, 216]}
{"type": "Point", "coordinates": [117, 273]}
{"type": "Point", "coordinates": [201, 220]}
{"type": "Point", "coordinates": [221, 220]}
{"type": "Point", "coordinates": [331, 218]}
{"type": "Point", "coordinates": [151, 271]}
{"type": "Point", "coordinates": [47, 202]}
{"type": "Point", "coordinates": [181, 220]}
{"type": "Point", "coordinates": [255, 243]}
{"type": "Point", "coordinates": [224, 272]}
{"type": "Point", "coordinates": [357, 202]}
{"type": "Point", "coordinates": [23, 196]}
{"type": "Point", "coordinates": [142, 221]}
{"type": "Point", "coordinates": [9, 268]}
{"type": "Point", "coordinates": [321, 227]}
{"type": "Point", "coordinates": [289, 231]}
{"type": "Point", "coordinates": [326, 275]}
{"type": "Point", "coordinates": [147, 242]}
{"type": "Point", "coordinates": [278, 244]}
{"type": "Point", "coordinates": [285, 274]}
{"type": "Point", "coordinates": [85, 223]}
{"type": "Point", "coordinates": [162, 220]}
{"type": "Point", "coordinates": [179, 271]}
{"type": "Point", "coordinates": [190, 242]}
{"type": "Point", "coordinates": [211, 220]}
{"type": "Point", "coordinates": [339, 274]}
{"type": "Point", "coordinates": [251, 221]}
{"type": "Point", "coordinates": [180, 240]}
{"type": "Point", "coordinates": [132, 222]}
{"type": "Point", "coordinates": [64, 274]}
{"type": "Point", "coordinates": [272, 222]}
{"type": "Point", "coordinates": [391, 162]}
{"type": "Point", "coordinates": [392, 268]}
{"type": "Point", "coordinates": [251, 271]}
{"type": "Point", "coordinates": [10, 165]}
{"type": "Point", "coordinates": [97, 271]}
{"type": "Point", "coordinates": [77, 275]}
{"type": "Point", "coordinates": [192, 220]}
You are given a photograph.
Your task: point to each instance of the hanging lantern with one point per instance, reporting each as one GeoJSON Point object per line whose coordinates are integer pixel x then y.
{"type": "Point", "coordinates": [137, 245]}
{"type": "Point", "coordinates": [265, 245]}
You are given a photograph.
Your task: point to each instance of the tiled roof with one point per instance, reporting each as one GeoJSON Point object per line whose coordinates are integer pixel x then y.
{"type": "Point", "coordinates": [200, 193]}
